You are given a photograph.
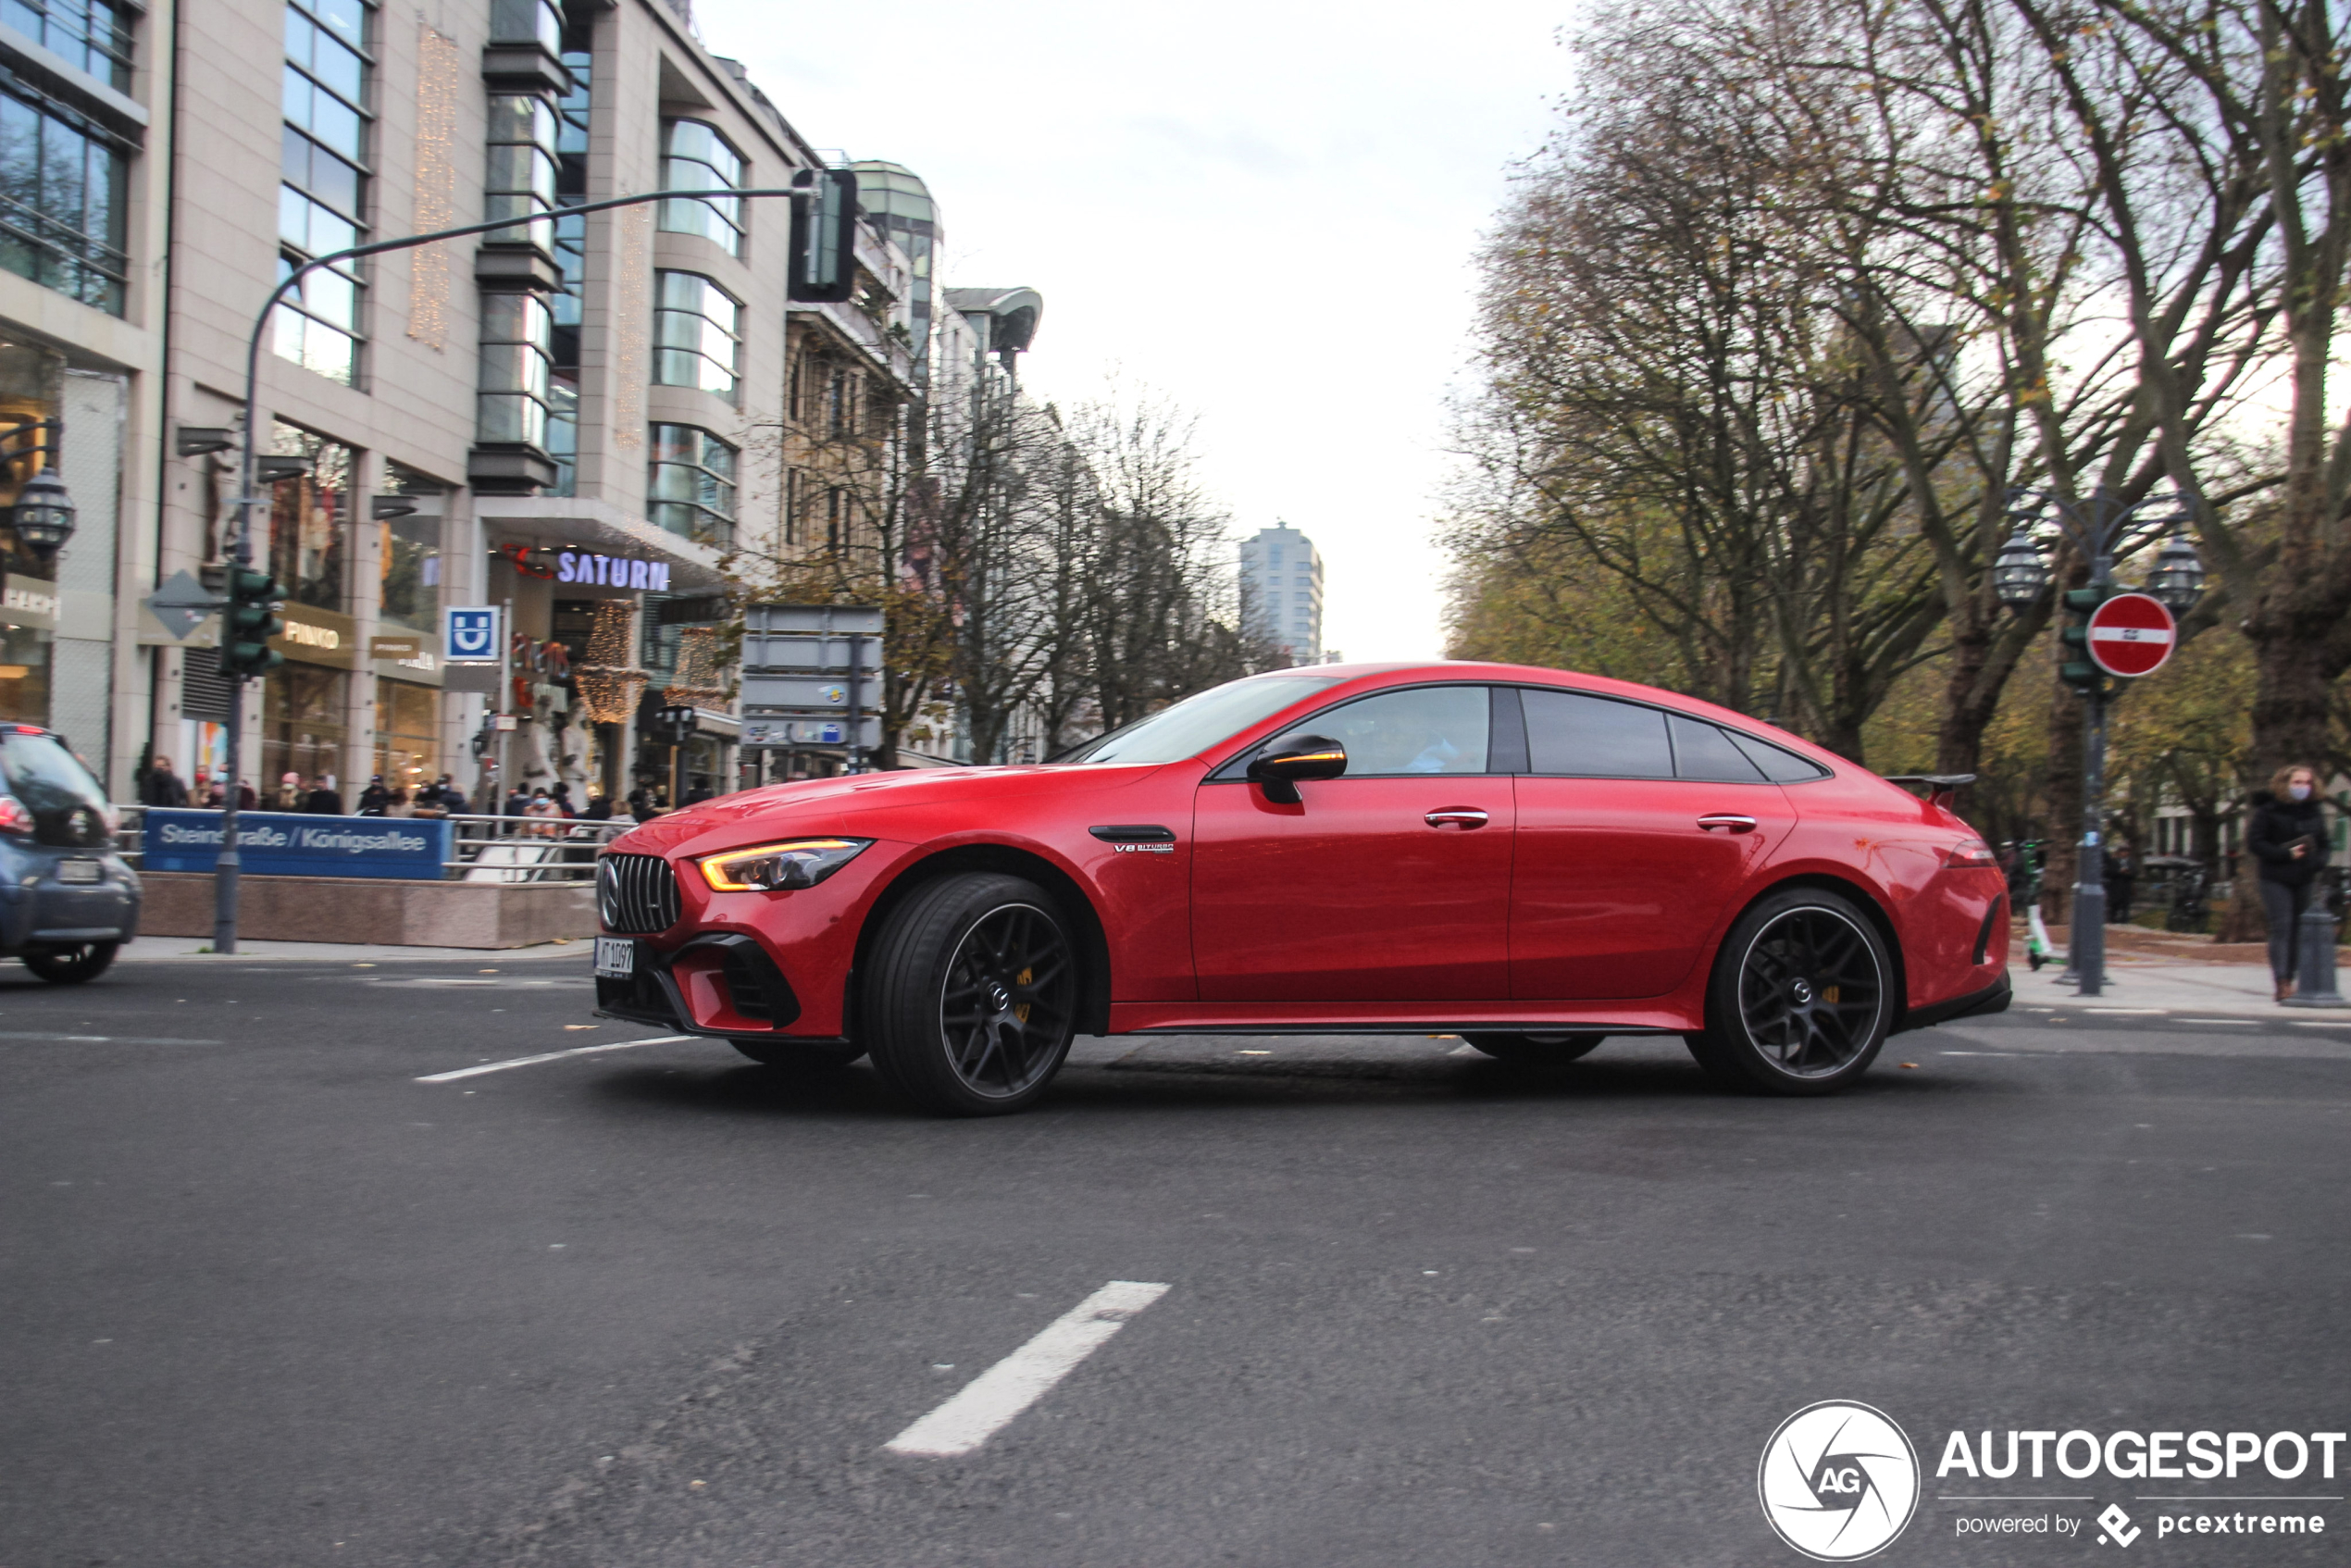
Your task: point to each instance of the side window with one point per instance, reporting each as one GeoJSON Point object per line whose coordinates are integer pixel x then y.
{"type": "Point", "coordinates": [1700, 750]}
{"type": "Point", "coordinates": [1573, 733]}
{"type": "Point", "coordinates": [1422, 730]}
{"type": "Point", "coordinates": [1779, 765]}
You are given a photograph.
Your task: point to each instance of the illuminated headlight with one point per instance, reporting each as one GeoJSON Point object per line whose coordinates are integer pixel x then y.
{"type": "Point", "coordinates": [772, 868]}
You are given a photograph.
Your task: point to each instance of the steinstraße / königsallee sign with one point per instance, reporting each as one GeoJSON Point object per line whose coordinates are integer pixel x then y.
{"type": "Point", "coordinates": [275, 843]}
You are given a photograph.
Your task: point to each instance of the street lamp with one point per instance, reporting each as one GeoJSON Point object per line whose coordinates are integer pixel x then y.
{"type": "Point", "coordinates": [2020, 573]}
{"type": "Point", "coordinates": [2178, 576]}
{"type": "Point", "coordinates": [2018, 576]}
{"type": "Point", "coordinates": [42, 517]}
{"type": "Point", "coordinates": [255, 469]}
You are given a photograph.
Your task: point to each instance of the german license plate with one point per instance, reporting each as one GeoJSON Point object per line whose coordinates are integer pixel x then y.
{"type": "Point", "coordinates": [615, 958]}
{"type": "Point", "coordinates": [80, 871]}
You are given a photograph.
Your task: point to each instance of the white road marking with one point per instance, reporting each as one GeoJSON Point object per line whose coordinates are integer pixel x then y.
{"type": "Point", "coordinates": [2315, 1024]}
{"type": "Point", "coordinates": [2237, 1023]}
{"type": "Point", "coordinates": [2128, 1012]}
{"type": "Point", "coordinates": [102, 1039]}
{"type": "Point", "coordinates": [546, 1056]}
{"type": "Point", "coordinates": [989, 1402]}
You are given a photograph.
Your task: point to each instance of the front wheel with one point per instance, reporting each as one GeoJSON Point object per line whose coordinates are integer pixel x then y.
{"type": "Point", "coordinates": [71, 966]}
{"type": "Point", "coordinates": [970, 1000]}
{"type": "Point", "coordinates": [797, 1056]}
{"type": "Point", "coordinates": [1802, 997]}
{"type": "Point", "coordinates": [1534, 1049]}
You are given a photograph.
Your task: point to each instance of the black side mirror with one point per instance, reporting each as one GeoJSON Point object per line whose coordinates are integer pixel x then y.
{"type": "Point", "coordinates": [1293, 759]}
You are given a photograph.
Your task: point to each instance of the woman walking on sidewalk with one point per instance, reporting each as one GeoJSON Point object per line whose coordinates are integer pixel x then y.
{"type": "Point", "coordinates": [2288, 837]}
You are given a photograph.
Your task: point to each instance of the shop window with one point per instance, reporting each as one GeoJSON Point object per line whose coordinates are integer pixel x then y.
{"type": "Point", "coordinates": [303, 725]}
{"type": "Point", "coordinates": [306, 518]}
{"type": "Point", "coordinates": [408, 734]}
{"type": "Point", "coordinates": [692, 486]}
{"type": "Point", "coordinates": [697, 334]}
{"type": "Point", "coordinates": [695, 157]}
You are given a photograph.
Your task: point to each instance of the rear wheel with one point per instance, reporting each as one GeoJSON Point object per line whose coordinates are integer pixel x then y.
{"type": "Point", "coordinates": [970, 1000]}
{"type": "Point", "coordinates": [71, 966]}
{"type": "Point", "coordinates": [1536, 1048]}
{"type": "Point", "coordinates": [1802, 997]}
{"type": "Point", "coordinates": [801, 1056]}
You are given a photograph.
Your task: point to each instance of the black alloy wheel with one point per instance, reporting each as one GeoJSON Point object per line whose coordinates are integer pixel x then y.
{"type": "Point", "coordinates": [1802, 997]}
{"type": "Point", "coordinates": [970, 999]}
{"type": "Point", "coordinates": [797, 1055]}
{"type": "Point", "coordinates": [74, 964]}
{"type": "Point", "coordinates": [1537, 1050]}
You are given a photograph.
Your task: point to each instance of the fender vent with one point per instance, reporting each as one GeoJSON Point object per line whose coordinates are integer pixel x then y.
{"type": "Point", "coordinates": [1995, 919]}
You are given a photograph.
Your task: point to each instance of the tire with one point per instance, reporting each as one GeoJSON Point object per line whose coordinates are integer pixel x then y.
{"type": "Point", "coordinates": [798, 1056]}
{"type": "Point", "coordinates": [72, 965]}
{"type": "Point", "coordinates": [1802, 997]}
{"type": "Point", "coordinates": [1537, 1050]}
{"type": "Point", "coordinates": [970, 999]}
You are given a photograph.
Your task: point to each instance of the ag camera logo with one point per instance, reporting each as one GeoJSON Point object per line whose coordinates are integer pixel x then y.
{"type": "Point", "coordinates": [1838, 1481]}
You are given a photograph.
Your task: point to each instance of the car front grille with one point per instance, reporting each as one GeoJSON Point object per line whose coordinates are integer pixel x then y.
{"type": "Point", "coordinates": [636, 894]}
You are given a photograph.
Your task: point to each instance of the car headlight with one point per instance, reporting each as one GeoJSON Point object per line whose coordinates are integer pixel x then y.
{"type": "Point", "coordinates": [770, 868]}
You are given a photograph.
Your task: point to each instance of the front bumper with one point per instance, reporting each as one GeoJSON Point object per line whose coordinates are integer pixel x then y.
{"type": "Point", "coordinates": [723, 983]}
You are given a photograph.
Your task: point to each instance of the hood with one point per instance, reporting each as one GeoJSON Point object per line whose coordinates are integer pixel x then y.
{"type": "Point", "coordinates": [836, 806]}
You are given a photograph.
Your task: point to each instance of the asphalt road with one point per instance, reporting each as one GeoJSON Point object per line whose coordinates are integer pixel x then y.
{"type": "Point", "coordinates": [269, 1299]}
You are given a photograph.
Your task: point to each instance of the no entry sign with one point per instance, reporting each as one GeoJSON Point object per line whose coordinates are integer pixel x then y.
{"type": "Point", "coordinates": [2131, 634]}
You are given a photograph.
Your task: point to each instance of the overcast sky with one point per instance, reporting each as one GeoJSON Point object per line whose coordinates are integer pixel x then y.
{"type": "Point", "coordinates": [1266, 211]}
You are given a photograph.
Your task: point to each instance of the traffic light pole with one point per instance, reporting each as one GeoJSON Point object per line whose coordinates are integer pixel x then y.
{"type": "Point", "coordinates": [226, 865]}
{"type": "Point", "coordinates": [2088, 961]}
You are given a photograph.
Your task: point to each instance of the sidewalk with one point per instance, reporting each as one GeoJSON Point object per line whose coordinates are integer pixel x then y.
{"type": "Point", "coordinates": [158, 950]}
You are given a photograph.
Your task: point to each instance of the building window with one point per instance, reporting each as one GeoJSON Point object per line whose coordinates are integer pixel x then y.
{"type": "Point", "coordinates": [93, 35]}
{"type": "Point", "coordinates": [62, 217]}
{"type": "Point", "coordinates": [795, 503]}
{"type": "Point", "coordinates": [521, 179]}
{"type": "Point", "coordinates": [512, 404]}
{"type": "Point", "coordinates": [324, 194]}
{"type": "Point", "coordinates": [528, 22]}
{"type": "Point", "coordinates": [306, 517]}
{"type": "Point", "coordinates": [834, 507]}
{"type": "Point", "coordinates": [697, 334]}
{"type": "Point", "coordinates": [695, 157]}
{"type": "Point", "coordinates": [693, 488]}
{"type": "Point", "coordinates": [839, 408]}
{"type": "Point", "coordinates": [571, 260]}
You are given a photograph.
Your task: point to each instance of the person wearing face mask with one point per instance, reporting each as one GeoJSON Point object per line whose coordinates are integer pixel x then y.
{"type": "Point", "coordinates": [2287, 835]}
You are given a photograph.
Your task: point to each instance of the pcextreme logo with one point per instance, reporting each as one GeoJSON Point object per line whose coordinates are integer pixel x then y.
{"type": "Point", "coordinates": [1838, 1481]}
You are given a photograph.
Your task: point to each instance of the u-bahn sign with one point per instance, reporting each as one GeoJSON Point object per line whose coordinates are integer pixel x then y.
{"type": "Point", "coordinates": [2131, 634]}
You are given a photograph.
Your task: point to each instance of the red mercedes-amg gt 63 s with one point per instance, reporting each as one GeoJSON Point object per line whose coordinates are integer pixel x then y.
{"type": "Point", "coordinates": [1532, 859]}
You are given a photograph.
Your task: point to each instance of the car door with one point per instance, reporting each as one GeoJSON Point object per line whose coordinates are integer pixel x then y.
{"type": "Point", "coordinates": [1637, 828]}
{"type": "Point", "coordinates": [1389, 883]}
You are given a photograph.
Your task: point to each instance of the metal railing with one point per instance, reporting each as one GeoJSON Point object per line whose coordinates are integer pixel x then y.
{"type": "Point", "coordinates": [483, 849]}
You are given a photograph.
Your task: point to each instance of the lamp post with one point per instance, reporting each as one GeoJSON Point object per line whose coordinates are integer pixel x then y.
{"type": "Point", "coordinates": [227, 866]}
{"type": "Point", "coordinates": [2098, 526]}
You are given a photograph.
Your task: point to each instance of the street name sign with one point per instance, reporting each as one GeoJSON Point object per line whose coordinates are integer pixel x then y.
{"type": "Point", "coordinates": [297, 844]}
{"type": "Point", "coordinates": [2131, 634]}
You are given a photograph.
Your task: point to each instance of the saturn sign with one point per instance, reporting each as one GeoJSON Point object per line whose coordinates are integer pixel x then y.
{"type": "Point", "coordinates": [2131, 634]}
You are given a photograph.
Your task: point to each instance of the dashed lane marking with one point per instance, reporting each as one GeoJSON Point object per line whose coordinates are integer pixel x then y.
{"type": "Point", "coordinates": [102, 1039]}
{"type": "Point", "coordinates": [546, 1056]}
{"type": "Point", "coordinates": [989, 1403]}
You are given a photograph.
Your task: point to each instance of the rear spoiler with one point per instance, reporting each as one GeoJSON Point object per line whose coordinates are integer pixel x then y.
{"type": "Point", "coordinates": [1940, 786]}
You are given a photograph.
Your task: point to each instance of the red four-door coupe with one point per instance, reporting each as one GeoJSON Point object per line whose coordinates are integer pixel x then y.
{"type": "Point", "coordinates": [1532, 859]}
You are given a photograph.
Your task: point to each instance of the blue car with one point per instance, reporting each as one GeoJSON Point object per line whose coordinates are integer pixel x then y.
{"type": "Point", "coordinates": [68, 902]}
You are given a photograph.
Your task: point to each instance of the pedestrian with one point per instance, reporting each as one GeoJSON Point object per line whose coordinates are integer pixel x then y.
{"type": "Point", "coordinates": [400, 805]}
{"type": "Point", "coordinates": [542, 808]}
{"type": "Point", "coordinates": [290, 794]}
{"type": "Point", "coordinates": [599, 809]}
{"type": "Point", "coordinates": [322, 799]}
{"type": "Point", "coordinates": [561, 795]}
{"type": "Point", "coordinates": [2287, 835]}
{"type": "Point", "coordinates": [375, 797]}
{"type": "Point", "coordinates": [2121, 876]}
{"type": "Point", "coordinates": [516, 803]}
{"type": "Point", "coordinates": [247, 798]}
{"type": "Point", "coordinates": [702, 791]}
{"type": "Point", "coordinates": [162, 786]}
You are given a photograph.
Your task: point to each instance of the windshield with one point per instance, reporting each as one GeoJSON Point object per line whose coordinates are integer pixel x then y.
{"type": "Point", "coordinates": [1197, 723]}
{"type": "Point", "coordinates": [68, 807]}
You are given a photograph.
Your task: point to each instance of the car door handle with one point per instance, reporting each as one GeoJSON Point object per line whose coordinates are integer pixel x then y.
{"type": "Point", "coordinates": [1729, 819]}
{"type": "Point", "coordinates": [1463, 817]}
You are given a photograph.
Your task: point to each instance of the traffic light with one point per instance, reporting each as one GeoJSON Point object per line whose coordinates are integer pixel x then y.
{"type": "Point", "coordinates": [249, 622]}
{"type": "Point", "coordinates": [2077, 671]}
